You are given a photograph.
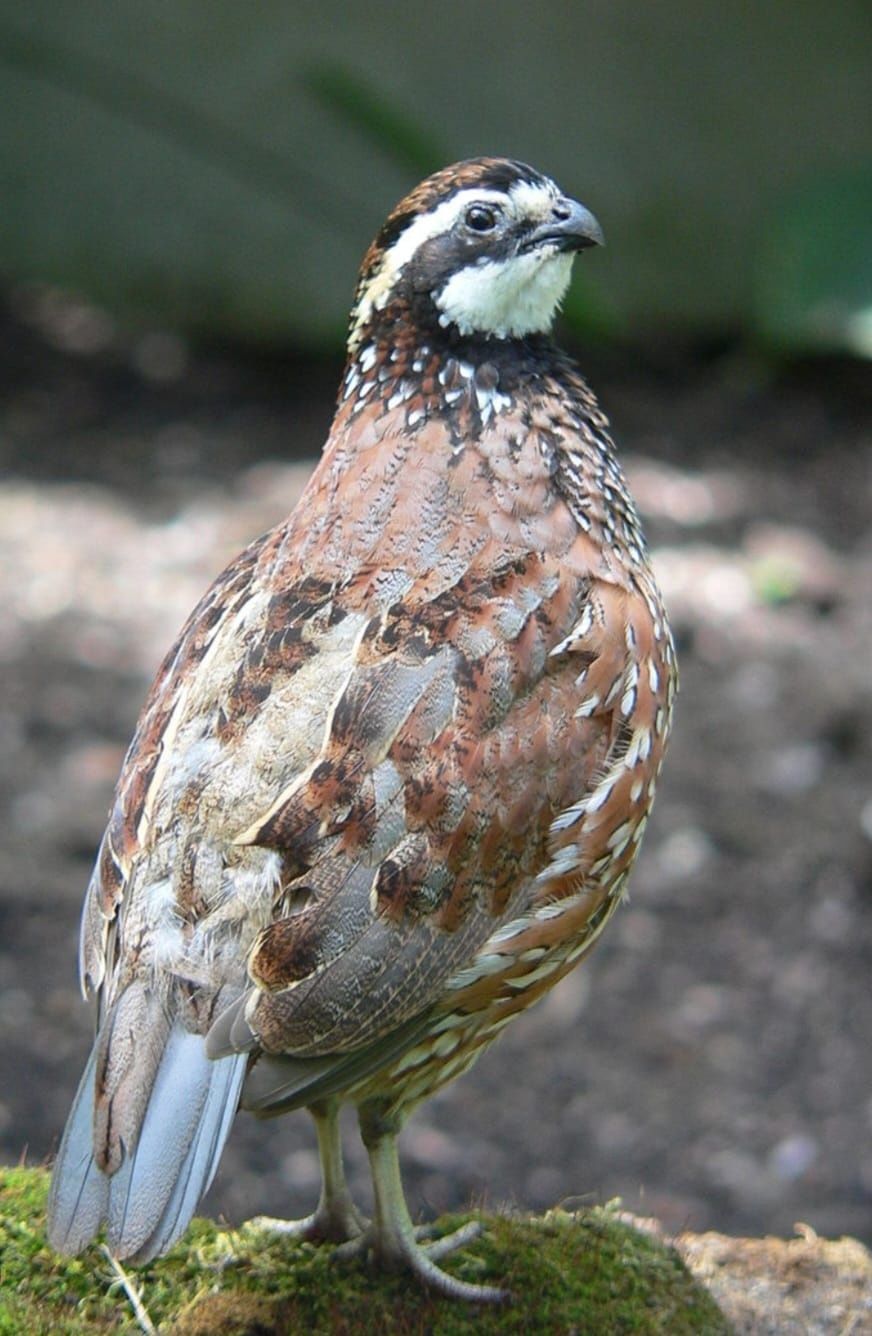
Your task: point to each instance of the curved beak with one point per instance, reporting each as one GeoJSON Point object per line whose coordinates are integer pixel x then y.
{"type": "Point", "coordinates": [571, 227]}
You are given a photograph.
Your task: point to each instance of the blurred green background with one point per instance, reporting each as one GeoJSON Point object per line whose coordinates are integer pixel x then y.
{"type": "Point", "coordinates": [220, 166]}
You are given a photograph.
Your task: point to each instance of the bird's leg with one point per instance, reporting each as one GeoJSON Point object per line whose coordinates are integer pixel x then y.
{"type": "Point", "coordinates": [391, 1237]}
{"type": "Point", "coordinates": [335, 1219]}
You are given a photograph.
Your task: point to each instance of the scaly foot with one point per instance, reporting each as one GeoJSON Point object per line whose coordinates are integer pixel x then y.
{"type": "Point", "coordinates": [401, 1251]}
{"type": "Point", "coordinates": [340, 1222]}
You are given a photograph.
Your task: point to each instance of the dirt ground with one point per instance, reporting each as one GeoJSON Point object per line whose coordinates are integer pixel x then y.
{"type": "Point", "coordinates": [711, 1063]}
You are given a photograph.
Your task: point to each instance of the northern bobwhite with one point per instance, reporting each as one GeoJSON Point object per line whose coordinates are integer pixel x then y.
{"type": "Point", "coordinates": [390, 780]}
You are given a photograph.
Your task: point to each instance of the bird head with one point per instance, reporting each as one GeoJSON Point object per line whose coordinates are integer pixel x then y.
{"type": "Point", "coordinates": [483, 248]}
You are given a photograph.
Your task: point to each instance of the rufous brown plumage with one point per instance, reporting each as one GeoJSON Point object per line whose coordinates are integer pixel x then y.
{"type": "Point", "coordinates": [390, 780]}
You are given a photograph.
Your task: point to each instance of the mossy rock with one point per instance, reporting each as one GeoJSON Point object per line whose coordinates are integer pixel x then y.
{"type": "Point", "coordinates": [586, 1273]}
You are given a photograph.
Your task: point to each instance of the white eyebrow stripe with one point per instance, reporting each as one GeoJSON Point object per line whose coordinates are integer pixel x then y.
{"type": "Point", "coordinates": [433, 224]}
{"type": "Point", "coordinates": [534, 201]}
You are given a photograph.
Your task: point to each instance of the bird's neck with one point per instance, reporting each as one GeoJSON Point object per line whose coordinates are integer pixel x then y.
{"type": "Point", "coordinates": [395, 360]}
{"type": "Point", "coordinates": [495, 397]}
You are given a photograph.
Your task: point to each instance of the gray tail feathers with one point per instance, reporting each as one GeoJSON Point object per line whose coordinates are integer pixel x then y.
{"type": "Point", "coordinates": [166, 1154]}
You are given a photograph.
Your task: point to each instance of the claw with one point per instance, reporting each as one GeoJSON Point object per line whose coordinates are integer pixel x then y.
{"type": "Point", "coordinates": [391, 1239]}
{"type": "Point", "coordinates": [340, 1222]}
{"type": "Point", "coordinates": [449, 1243]}
{"type": "Point", "coordinates": [336, 1219]}
{"type": "Point", "coordinates": [401, 1252]}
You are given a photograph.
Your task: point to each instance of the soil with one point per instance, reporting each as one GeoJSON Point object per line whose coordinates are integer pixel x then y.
{"type": "Point", "coordinates": [711, 1063]}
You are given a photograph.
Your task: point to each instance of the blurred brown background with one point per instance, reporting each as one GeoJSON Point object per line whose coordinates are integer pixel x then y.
{"type": "Point", "coordinates": [186, 194]}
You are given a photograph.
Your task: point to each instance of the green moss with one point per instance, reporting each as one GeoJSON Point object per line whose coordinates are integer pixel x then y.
{"type": "Point", "coordinates": [587, 1273]}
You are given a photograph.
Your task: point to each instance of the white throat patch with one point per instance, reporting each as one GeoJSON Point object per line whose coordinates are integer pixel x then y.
{"type": "Point", "coordinates": [506, 298]}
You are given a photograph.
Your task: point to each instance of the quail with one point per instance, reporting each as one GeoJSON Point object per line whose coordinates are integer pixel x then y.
{"type": "Point", "coordinates": [390, 780]}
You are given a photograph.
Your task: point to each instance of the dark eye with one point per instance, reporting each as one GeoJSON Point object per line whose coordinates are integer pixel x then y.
{"type": "Point", "coordinates": [481, 217]}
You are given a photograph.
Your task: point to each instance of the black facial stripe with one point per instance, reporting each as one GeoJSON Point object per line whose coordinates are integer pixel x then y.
{"type": "Point", "coordinates": [396, 224]}
{"type": "Point", "coordinates": [440, 258]}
